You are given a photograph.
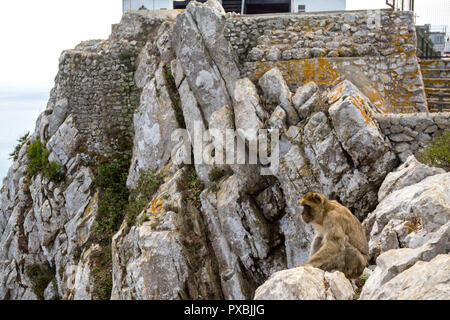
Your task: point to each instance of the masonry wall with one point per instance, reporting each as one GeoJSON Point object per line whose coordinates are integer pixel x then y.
{"type": "Point", "coordinates": [97, 81]}
{"type": "Point", "coordinates": [376, 50]}
{"type": "Point", "coordinates": [410, 133]}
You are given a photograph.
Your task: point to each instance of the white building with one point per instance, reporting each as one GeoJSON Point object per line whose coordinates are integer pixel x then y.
{"type": "Point", "coordinates": [247, 6]}
{"type": "Point", "coordinates": [147, 4]}
{"type": "Point", "coordinates": [318, 5]}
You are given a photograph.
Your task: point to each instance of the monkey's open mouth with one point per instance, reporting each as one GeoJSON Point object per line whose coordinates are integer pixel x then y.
{"type": "Point", "coordinates": [306, 214]}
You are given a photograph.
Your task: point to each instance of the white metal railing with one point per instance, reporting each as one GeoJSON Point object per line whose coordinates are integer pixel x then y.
{"type": "Point", "coordinates": [402, 5]}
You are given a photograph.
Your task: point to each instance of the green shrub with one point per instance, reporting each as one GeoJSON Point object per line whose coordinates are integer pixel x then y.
{"type": "Point", "coordinates": [147, 185]}
{"type": "Point", "coordinates": [40, 276]}
{"type": "Point", "coordinates": [437, 154]}
{"type": "Point", "coordinates": [195, 186]}
{"type": "Point", "coordinates": [102, 274]}
{"type": "Point", "coordinates": [360, 282]}
{"type": "Point", "coordinates": [215, 188]}
{"type": "Point", "coordinates": [133, 210]}
{"type": "Point", "coordinates": [21, 141]}
{"type": "Point", "coordinates": [364, 277]}
{"type": "Point", "coordinates": [53, 171]}
{"type": "Point", "coordinates": [171, 207]}
{"type": "Point", "coordinates": [111, 181]}
{"type": "Point", "coordinates": [143, 219]}
{"type": "Point", "coordinates": [116, 201]}
{"type": "Point", "coordinates": [37, 157]}
{"type": "Point", "coordinates": [38, 162]}
{"type": "Point", "coordinates": [216, 174]}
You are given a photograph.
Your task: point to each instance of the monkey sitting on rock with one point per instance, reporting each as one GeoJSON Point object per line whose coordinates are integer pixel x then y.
{"type": "Point", "coordinates": [340, 242]}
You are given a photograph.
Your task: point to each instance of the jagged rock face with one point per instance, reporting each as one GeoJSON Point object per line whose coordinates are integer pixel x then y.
{"type": "Point", "coordinates": [253, 222]}
{"type": "Point", "coordinates": [306, 283]}
{"type": "Point", "coordinates": [409, 235]}
{"type": "Point", "coordinates": [392, 263]}
{"type": "Point", "coordinates": [163, 71]}
{"type": "Point", "coordinates": [204, 68]}
{"type": "Point", "coordinates": [247, 247]}
{"type": "Point", "coordinates": [409, 173]}
{"type": "Point", "coordinates": [409, 217]}
{"type": "Point", "coordinates": [166, 257]}
{"type": "Point", "coordinates": [47, 223]}
{"type": "Point", "coordinates": [422, 281]}
{"type": "Point", "coordinates": [321, 155]}
{"type": "Point", "coordinates": [155, 119]}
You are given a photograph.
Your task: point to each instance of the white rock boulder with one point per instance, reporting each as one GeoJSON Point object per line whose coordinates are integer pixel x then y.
{"type": "Point", "coordinates": [409, 217]}
{"type": "Point", "coordinates": [423, 281]}
{"type": "Point", "coordinates": [306, 283]}
{"type": "Point", "coordinates": [409, 173]}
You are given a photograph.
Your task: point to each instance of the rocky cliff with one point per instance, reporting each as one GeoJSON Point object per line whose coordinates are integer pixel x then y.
{"type": "Point", "coordinates": [103, 202]}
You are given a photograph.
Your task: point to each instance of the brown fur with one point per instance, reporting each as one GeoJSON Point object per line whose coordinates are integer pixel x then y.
{"type": "Point", "coordinates": [340, 242]}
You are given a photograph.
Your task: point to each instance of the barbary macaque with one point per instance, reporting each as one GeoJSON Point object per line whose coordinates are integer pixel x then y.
{"type": "Point", "coordinates": [340, 242]}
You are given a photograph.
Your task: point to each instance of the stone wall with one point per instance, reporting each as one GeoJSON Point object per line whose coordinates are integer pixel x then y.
{"type": "Point", "coordinates": [96, 83]}
{"type": "Point", "coordinates": [410, 133]}
{"type": "Point", "coordinates": [374, 49]}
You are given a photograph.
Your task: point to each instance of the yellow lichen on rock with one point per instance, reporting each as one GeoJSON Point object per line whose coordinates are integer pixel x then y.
{"type": "Point", "coordinates": [362, 106]}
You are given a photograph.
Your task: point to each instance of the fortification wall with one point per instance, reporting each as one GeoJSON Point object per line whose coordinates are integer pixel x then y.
{"type": "Point", "coordinates": [410, 133]}
{"type": "Point", "coordinates": [374, 49]}
{"type": "Point", "coordinates": [96, 79]}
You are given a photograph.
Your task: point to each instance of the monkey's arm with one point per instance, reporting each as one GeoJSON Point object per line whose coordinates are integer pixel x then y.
{"type": "Point", "coordinates": [332, 247]}
{"type": "Point", "coordinates": [317, 243]}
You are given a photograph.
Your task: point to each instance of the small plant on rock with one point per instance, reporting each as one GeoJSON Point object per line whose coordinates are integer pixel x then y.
{"type": "Point", "coordinates": [437, 154]}
{"type": "Point", "coordinates": [38, 161]}
{"type": "Point", "coordinates": [196, 186]}
{"type": "Point", "coordinates": [21, 141]}
{"type": "Point", "coordinates": [146, 188]}
{"type": "Point", "coordinates": [360, 282]}
{"type": "Point", "coordinates": [111, 182]}
{"type": "Point", "coordinates": [40, 276]}
{"type": "Point", "coordinates": [216, 174]}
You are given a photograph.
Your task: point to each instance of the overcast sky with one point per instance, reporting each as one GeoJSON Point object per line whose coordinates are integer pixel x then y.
{"type": "Point", "coordinates": [34, 32]}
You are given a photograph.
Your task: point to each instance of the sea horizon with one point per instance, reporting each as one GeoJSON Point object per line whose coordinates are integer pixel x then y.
{"type": "Point", "coordinates": [19, 109]}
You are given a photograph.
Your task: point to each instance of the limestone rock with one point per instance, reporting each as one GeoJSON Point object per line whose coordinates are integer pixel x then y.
{"type": "Point", "coordinates": [276, 91]}
{"type": "Point", "coordinates": [409, 173]}
{"type": "Point", "coordinates": [324, 152]}
{"type": "Point", "coordinates": [155, 259]}
{"type": "Point", "coordinates": [355, 128]}
{"type": "Point", "coordinates": [49, 223]}
{"type": "Point", "coordinates": [163, 70]}
{"type": "Point", "coordinates": [409, 217]}
{"type": "Point", "coordinates": [305, 98]}
{"type": "Point", "coordinates": [422, 281]}
{"type": "Point", "coordinates": [210, 21]}
{"type": "Point", "coordinates": [296, 180]}
{"type": "Point", "coordinates": [305, 283]}
{"type": "Point", "coordinates": [193, 52]}
{"type": "Point", "coordinates": [278, 119]}
{"type": "Point", "coordinates": [64, 142]}
{"type": "Point", "coordinates": [177, 72]}
{"type": "Point", "coordinates": [249, 115]}
{"type": "Point", "coordinates": [83, 286]}
{"type": "Point", "coordinates": [304, 93]}
{"type": "Point", "coordinates": [244, 243]}
{"type": "Point", "coordinates": [154, 124]}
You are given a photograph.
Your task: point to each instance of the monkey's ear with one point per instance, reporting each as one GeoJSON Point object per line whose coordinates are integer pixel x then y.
{"type": "Point", "coordinates": [318, 198]}
{"type": "Point", "coordinates": [307, 197]}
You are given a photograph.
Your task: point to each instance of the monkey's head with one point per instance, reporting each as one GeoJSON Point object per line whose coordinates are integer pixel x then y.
{"type": "Point", "coordinates": [313, 208]}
